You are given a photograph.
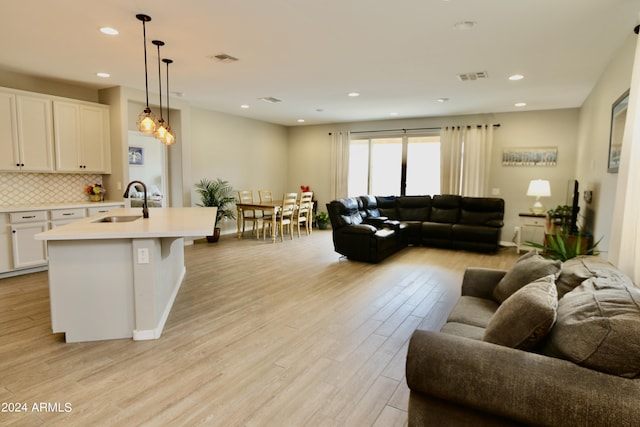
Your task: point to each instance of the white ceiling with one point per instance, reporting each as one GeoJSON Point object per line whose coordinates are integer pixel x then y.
{"type": "Point", "coordinates": [400, 55]}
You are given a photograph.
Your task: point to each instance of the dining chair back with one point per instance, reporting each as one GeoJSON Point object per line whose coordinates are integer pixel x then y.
{"type": "Point", "coordinates": [286, 214]}
{"type": "Point", "coordinates": [248, 215]}
{"type": "Point", "coordinates": [303, 213]}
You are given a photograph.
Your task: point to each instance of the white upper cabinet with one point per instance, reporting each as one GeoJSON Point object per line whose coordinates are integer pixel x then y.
{"type": "Point", "coordinates": [32, 125]}
{"type": "Point", "coordinates": [81, 137]}
{"type": "Point", "coordinates": [26, 133]}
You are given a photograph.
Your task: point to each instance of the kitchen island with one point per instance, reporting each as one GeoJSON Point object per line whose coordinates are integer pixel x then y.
{"type": "Point", "coordinates": [116, 275]}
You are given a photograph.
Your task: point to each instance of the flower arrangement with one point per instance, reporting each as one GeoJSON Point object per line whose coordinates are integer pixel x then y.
{"type": "Point", "coordinates": [304, 188]}
{"type": "Point", "coordinates": [95, 189]}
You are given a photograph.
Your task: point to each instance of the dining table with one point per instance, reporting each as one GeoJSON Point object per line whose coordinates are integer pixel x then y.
{"type": "Point", "coordinates": [273, 207]}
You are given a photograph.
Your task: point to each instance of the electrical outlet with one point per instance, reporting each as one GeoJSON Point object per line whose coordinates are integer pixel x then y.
{"type": "Point", "coordinates": [143, 256]}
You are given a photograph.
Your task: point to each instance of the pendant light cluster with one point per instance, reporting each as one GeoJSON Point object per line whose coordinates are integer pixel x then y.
{"type": "Point", "coordinates": [147, 121]}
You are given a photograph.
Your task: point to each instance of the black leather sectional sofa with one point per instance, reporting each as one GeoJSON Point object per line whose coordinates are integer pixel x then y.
{"type": "Point", "coordinates": [370, 228]}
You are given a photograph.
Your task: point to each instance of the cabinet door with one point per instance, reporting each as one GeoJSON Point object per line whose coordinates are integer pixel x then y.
{"type": "Point", "coordinates": [6, 263]}
{"type": "Point", "coordinates": [66, 124]}
{"type": "Point", "coordinates": [35, 133]}
{"type": "Point", "coordinates": [10, 159]}
{"type": "Point", "coordinates": [95, 148]}
{"type": "Point", "coordinates": [27, 251]}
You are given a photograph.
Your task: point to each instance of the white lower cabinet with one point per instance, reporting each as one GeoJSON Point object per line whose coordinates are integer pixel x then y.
{"type": "Point", "coordinates": [27, 251]}
{"type": "Point", "coordinates": [6, 251]}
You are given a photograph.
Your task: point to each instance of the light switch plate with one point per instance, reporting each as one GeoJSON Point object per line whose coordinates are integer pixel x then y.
{"type": "Point", "coordinates": [143, 256]}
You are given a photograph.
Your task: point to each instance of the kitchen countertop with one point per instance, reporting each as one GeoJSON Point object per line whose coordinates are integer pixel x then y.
{"type": "Point", "coordinates": [64, 205]}
{"type": "Point", "coordinates": [162, 222]}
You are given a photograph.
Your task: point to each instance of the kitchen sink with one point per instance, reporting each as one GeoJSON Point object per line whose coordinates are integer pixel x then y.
{"type": "Point", "coordinates": [119, 218]}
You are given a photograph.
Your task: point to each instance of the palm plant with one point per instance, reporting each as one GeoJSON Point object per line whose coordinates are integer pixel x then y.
{"type": "Point", "coordinates": [563, 246]}
{"type": "Point", "coordinates": [218, 193]}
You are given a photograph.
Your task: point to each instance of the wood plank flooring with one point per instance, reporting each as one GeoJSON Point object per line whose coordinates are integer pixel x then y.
{"type": "Point", "coordinates": [261, 334]}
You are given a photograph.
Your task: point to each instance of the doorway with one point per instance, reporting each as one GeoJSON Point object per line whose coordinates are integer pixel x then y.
{"type": "Point", "coordinates": [148, 163]}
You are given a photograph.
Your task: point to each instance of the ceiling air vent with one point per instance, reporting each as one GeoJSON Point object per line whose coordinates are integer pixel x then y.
{"type": "Point", "coordinates": [270, 99]}
{"type": "Point", "coordinates": [223, 57]}
{"type": "Point", "coordinates": [480, 75]}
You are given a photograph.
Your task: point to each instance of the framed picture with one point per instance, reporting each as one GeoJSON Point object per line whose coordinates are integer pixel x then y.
{"type": "Point", "coordinates": [530, 156]}
{"type": "Point", "coordinates": [618, 120]}
{"type": "Point", "coordinates": [136, 156]}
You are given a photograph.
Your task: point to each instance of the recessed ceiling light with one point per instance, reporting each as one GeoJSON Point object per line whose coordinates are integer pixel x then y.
{"type": "Point", "coordinates": [464, 25]}
{"type": "Point", "coordinates": [442, 100]}
{"type": "Point", "coordinates": [244, 106]}
{"type": "Point", "coordinates": [103, 75]}
{"type": "Point", "coordinates": [393, 113]}
{"type": "Point", "coordinates": [520, 104]}
{"type": "Point", "coordinates": [109, 31]}
{"type": "Point", "coordinates": [300, 120]}
{"type": "Point", "coordinates": [353, 94]}
{"type": "Point", "coordinates": [516, 77]}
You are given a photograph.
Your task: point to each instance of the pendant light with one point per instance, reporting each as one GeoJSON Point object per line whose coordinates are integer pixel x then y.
{"type": "Point", "coordinates": [169, 138]}
{"type": "Point", "coordinates": [146, 122]}
{"type": "Point", "coordinates": [161, 130]}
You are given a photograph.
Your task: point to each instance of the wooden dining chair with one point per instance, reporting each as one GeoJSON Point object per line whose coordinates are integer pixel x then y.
{"type": "Point", "coordinates": [286, 213]}
{"type": "Point", "coordinates": [266, 196]}
{"type": "Point", "coordinates": [303, 212]}
{"type": "Point", "coordinates": [248, 215]}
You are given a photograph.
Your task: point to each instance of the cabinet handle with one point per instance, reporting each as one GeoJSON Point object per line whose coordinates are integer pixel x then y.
{"type": "Point", "coordinates": [13, 231]}
{"type": "Point", "coordinates": [68, 214]}
{"type": "Point", "coordinates": [28, 217]}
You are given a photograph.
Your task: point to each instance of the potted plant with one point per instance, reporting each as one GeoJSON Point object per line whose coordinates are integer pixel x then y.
{"type": "Point", "coordinates": [322, 219]}
{"type": "Point", "coordinates": [219, 194]}
{"type": "Point", "coordinates": [563, 245]}
{"type": "Point", "coordinates": [95, 192]}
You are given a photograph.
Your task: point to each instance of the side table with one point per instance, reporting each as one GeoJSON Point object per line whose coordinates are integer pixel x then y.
{"type": "Point", "coordinates": [532, 229]}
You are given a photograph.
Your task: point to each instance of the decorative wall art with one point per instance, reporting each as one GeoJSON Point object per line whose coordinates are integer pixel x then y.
{"type": "Point", "coordinates": [618, 120]}
{"type": "Point", "coordinates": [136, 156]}
{"type": "Point", "coordinates": [533, 156]}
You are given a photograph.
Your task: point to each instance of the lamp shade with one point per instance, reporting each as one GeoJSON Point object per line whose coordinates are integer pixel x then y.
{"type": "Point", "coordinates": [539, 188]}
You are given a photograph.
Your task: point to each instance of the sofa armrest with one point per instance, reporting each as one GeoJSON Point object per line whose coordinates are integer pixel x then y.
{"type": "Point", "coordinates": [480, 282]}
{"type": "Point", "coordinates": [357, 229]}
{"type": "Point", "coordinates": [527, 387]}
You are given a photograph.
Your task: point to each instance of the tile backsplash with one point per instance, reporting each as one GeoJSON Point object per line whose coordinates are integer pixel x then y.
{"type": "Point", "coordinates": [37, 188]}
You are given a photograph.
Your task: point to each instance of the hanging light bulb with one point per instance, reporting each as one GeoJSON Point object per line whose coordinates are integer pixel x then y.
{"type": "Point", "coordinates": [146, 122]}
{"type": "Point", "coordinates": [170, 137]}
{"type": "Point", "coordinates": [161, 130]}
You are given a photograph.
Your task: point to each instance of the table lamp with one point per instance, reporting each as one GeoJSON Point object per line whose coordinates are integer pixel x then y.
{"type": "Point", "coordinates": [538, 188]}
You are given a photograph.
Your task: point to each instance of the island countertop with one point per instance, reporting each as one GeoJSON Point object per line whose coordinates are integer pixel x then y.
{"type": "Point", "coordinates": [162, 222]}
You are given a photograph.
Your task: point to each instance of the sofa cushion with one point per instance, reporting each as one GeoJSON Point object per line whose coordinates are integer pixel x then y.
{"type": "Point", "coordinates": [598, 326]}
{"type": "Point", "coordinates": [529, 267]}
{"type": "Point", "coordinates": [463, 330]}
{"type": "Point", "coordinates": [473, 311]}
{"type": "Point", "coordinates": [577, 270]}
{"type": "Point", "coordinates": [414, 208]}
{"type": "Point", "coordinates": [526, 316]}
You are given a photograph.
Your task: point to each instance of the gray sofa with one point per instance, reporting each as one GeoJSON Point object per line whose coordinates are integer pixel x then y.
{"type": "Point", "coordinates": [561, 350]}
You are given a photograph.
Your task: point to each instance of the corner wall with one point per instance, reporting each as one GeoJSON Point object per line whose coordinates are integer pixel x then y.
{"type": "Point", "coordinates": [593, 143]}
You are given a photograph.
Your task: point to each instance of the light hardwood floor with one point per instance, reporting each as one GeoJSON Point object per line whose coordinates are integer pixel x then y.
{"type": "Point", "coordinates": [261, 334]}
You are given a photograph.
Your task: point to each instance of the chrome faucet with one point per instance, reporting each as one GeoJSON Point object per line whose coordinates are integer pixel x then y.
{"type": "Point", "coordinates": [145, 210]}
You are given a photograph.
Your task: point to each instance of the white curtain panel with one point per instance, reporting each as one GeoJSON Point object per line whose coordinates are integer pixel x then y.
{"type": "Point", "coordinates": [450, 159]}
{"type": "Point", "coordinates": [624, 250]}
{"type": "Point", "coordinates": [339, 164]}
{"type": "Point", "coordinates": [477, 160]}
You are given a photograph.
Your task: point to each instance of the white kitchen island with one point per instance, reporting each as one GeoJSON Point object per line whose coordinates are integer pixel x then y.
{"type": "Point", "coordinates": [110, 280]}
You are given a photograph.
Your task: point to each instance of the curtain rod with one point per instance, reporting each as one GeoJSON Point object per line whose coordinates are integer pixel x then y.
{"type": "Point", "coordinates": [412, 129]}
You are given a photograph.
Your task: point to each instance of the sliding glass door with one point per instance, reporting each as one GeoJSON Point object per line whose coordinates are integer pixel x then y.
{"type": "Point", "coordinates": [394, 165]}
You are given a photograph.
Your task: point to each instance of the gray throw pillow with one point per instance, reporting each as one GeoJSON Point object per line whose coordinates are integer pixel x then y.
{"type": "Point", "coordinates": [531, 266]}
{"type": "Point", "coordinates": [597, 326]}
{"type": "Point", "coordinates": [525, 317]}
{"type": "Point", "coordinates": [577, 270]}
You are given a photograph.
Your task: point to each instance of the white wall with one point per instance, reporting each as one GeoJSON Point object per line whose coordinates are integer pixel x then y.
{"type": "Point", "coordinates": [593, 142]}
{"type": "Point", "coordinates": [250, 154]}
{"type": "Point", "coordinates": [310, 154]}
